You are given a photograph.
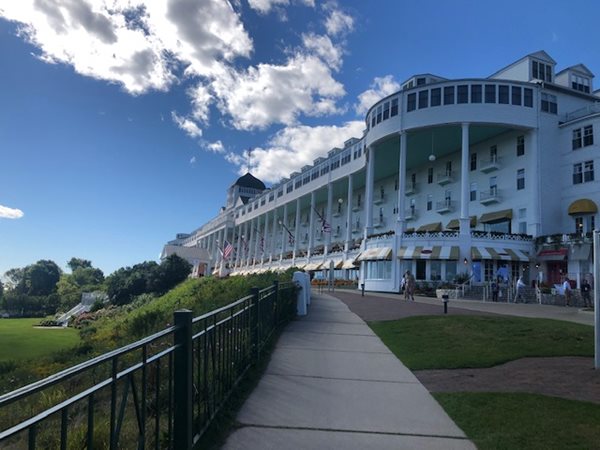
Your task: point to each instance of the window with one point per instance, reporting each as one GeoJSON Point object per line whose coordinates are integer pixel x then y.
{"type": "Point", "coordinates": [381, 193]}
{"type": "Point", "coordinates": [379, 110]}
{"type": "Point", "coordinates": [346, 157]}
{"type": "Point", "coordinates": [588, 171]}
{"type": "Point", "coordinates": [279, 193]}
{"type": "Point", "coordinates": [462, 94]}
{"type": "Point", "coordinates": [576, 139]}
{"type": "Point", "coordinates": [476, 93]}
{"type": "Point", "coordinates": [580, 83]}
{"type": "Point", "coordinates": [541, 71]}
{"type": "Point", "coordinates": [358, 199]}
{"type": "Point", "coordinates": [324, 169]}
{"type": "Point", "coordinates": [490, 93]}
{"type": "Point", "coordinates": [379, 270]}
{"type": "Point", "coordinates": [429, 202]}
{"type": "Point", "coordinates": [493, 185]}
{"type": "Point", "coordinates": [473, 192]}
{"type": "Point", "coordinates": [516, 95]}
{"type": "Point", "coordinates": [429, 175]}
{"type": "Point", "coordinates": [523, 227]}
{"type": "Point", "coordinates": [413, 180]}
{"type": "Point", "coordinates": [520, 179]}
{"type": "Point", "coordinates": [314, 174]}
{"type": "Point", "coordinates": [435, 269]}
{"type": "Point", "coordinates": [494, 154]}
{"type": "Point", "coordinates": [528, 97]}
{"type": "Point", "coordinates": [448, 168]}
{"type": "Point", "coordinates": [394, 110]}
{"type": "Point", "coordinates": [448, 198]}
{"type": "Point", "coordinates": [411, 102]}
{"type": "Point", "coordinates": [420, 81]}
{"type": "Point", "coordinates": [298, 183]}
{"type": "Point", "coordinates": [522, 213]}
{"type": "Point", "coordinates": [520, 145]}
{"type": "Point", "coordinates": [335, 163]}
{"type": "Point", "coordinates": [449, 95]}
{"type": "Point", "coordinates": [577, 173]}
{"type": "Point", "coordinates": [503, 94]}
{"type": "Point", "coordinates": [306, 178]}
{"type": "Point", "coordinates": [396, 184]}
{"type": "Point", "coordinates": [588, 135]}
{"type": "Point", "coordinates": [473, 162]}
{"type": "Point", "coordinates": [549, 103]}
{"type": "Point", "coordinates": [386, 110]}
{"type": "Point", "coordinates": [373, 119]}
{"type": "Point", "coordinates": [436, 97]}
{"type": "Point", "coordinates": [423, 99]}
{"type": "Point", "coordinates": [289, 188]}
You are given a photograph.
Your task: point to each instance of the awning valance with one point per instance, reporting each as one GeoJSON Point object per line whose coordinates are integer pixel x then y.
{"type": "Point", "coordinates": [312, 266]}
{"type": "Point", "coordinates": [349, 264]}
{"type": "Point", "coordinates": [498, 216]}
{"type": "Point", "coordinates": [553, 255]}
{"type": "Point", "coordinates": [434, 252]}
{"type": "Point", "coordinates": [454, 224]}
{"type": "Point", "coordinates": [435, 226]}
{"type": "Point", "coordinates": [410, 230]}
{"type": "Point", "coordinates": [503, 254]}
{"type": "Point", "coordinates": [337, 264]}
{"type": "Point", "coordinates": [583, 206]}
{"type": "Point", "coordinates": [376, 254]}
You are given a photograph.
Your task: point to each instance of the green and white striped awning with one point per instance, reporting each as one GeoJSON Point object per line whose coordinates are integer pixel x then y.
{"type": "Point", "coordinates": [433, 252]}
{"type": "Point", "coordinates": [376, 254]}
{"type": "Point", "coordinates": [504, 254]}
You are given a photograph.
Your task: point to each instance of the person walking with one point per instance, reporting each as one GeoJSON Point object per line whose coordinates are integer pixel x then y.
{"type": "Point", "coordinates": [519, 290]}
{"type": "Point", "coordinates": [495, 289]}
{"type": "Point", "coordinates": [567, 291]}
{"type": "Point", "coordinates": [586, 289]}
{"type": "Point", "coordinates": [410, 286]}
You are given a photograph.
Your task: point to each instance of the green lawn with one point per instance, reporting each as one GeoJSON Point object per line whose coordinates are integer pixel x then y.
{"type": "Point", "coordinates": [451, 342]}
{"type": "Point", "coordinates": [19, 340]}
{"type": "Point", "coordinates": [523, 421]}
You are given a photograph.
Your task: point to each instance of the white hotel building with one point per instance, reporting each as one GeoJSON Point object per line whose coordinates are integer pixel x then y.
{"type": "Point", "coordinates": [449, 176]}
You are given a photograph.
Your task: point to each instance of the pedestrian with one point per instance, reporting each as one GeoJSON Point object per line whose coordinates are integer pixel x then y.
{"type": "Point", "coordinates": [495, 289]}
{"type": "Point", "coordinates": [586, 288]}
{"type": "Point", "coordinates": [410, 286]}
{"type": "Point", "coordinates": [403, 285]}
{"type": "Point", "coordinates": [519, 289]}
{"type": "Point", "coordinates": [567, 291]}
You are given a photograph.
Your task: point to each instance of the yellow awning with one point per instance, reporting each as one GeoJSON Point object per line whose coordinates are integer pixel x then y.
{"type": "Point", "coordinates": [436, 226]}
{"type": "Point", "coordinates": [312, 266]}
{"type": "Point", "coordinates": [376, 254]}
{"type": "Point", "coordinates": [583, 206]}
{"type": "Point", "coordinates": [349, 264]}
{"type": "Point", "coordinates": [498, 216]}
{"type": "Point", "coordinates": [505, 254]}
{"type": "Point", "coordinates": [454, 224]}
{"type": "Point", "coordinates": [432, 252]}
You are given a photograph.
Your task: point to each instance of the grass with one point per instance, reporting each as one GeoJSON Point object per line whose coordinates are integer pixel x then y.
{"type": "Point", "coordinates": [524, 421]}
{"type": "Point", "coordinates": [21, 341]}
{"type": "Point", "coordinates": [452, 342]}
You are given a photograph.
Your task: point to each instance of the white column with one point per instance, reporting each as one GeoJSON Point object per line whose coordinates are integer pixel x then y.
{"type": "Point", "coordinates": [257, 239]}
{"type": "Point", "coordinates": [369, 182]}
{"type": "Point", "coordinates": [264, 237]}
{"type": "Point", "coordinates": [284, 234]}
{"type": "Point", "coordinates": [250, 243]}
{"type": "Point", "coordinates": [223, 239]}
{"type": "Point", "coordinates": [273, 236]}
{"type": "Point", "coordinates": [349, 216]}
{"type": "Point", "coordinates": [465, 226]}
{"type": "Point", "coordinates": [534, 179]}
{"type": "Point", "coordinates": [238, 250]}
{"type": "Point", "coordinates": [311, 226]}
{"type": "Point", "coordinates": [328, 218]}
{"type": "Point", "coordinates": [401, 219]}
{"type": "Point", "coordinates": [296, 230]}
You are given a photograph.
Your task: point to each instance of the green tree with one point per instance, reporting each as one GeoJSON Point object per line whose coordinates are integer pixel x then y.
{"type": "Point", "coordinates": [68, 291]}
{"type": "Point", "coordinates": [41, 277]}
{"type": "Point", "coordinates": [89, 277]}
{"type": "Point", "coordinates": [78, 263]}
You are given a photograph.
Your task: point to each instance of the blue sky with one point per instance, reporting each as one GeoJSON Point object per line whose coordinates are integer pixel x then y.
{"type": "Point", "coordinates": [123, 122]}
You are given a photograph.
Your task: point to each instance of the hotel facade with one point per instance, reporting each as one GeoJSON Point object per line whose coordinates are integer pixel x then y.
{"type": "Point", "coordinates": [477, 176]}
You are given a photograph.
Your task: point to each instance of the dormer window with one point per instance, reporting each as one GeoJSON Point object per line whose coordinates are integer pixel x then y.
{"type": "Point", "coordinates": [541, 71]}
{"type": "Point", "coordinates": [580, 83]}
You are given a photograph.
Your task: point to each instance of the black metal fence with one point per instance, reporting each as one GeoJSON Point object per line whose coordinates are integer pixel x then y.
{"type": "Point", "coordinates": [160, 392]}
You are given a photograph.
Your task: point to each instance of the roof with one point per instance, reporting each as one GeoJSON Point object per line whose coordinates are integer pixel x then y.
{"type": "Point", "coordinates": [189, 253]}
{"type": "Point", "coordinates": [581, 68]}
{"type": "Point", "coordinates": [541, 55]}
{"type": "Point", "coordinates": [250, 181]}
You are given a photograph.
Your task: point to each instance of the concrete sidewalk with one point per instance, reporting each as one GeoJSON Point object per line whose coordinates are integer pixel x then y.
{"type": "Point", "coordinates": [333, 384]}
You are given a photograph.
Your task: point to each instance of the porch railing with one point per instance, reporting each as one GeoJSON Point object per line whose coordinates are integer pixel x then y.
{"type": "Point", "coordinates": [162, 391]}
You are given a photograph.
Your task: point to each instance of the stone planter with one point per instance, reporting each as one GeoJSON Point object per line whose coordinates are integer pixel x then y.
{"type": "Point", "coordinates": [451, 293]}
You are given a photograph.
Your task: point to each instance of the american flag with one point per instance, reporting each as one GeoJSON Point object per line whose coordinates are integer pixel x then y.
{"type": "Point", "coordinates": [227, 250]}
{"type": "Point", "coordinates": [325, 226]}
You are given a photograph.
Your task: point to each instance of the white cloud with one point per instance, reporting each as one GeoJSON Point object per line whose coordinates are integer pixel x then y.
{"type": "Point", "coordinates": [267, 94]}
{"type": "Point", "coordinates": [265, 6]}
{"type": "Point", "coordinates": [338, 22]}
{"type": "Point", "coordinates": [324, 48]}
{"type": "Point", "coordinates": [193, 160]}
{"type": "Point", "coordinates": [187, 125]}
{"type": "Point", "coordinates": [293, 147]}
{"type": "Point", "coordinates": [216, 147]}
{"type": "Point", "coordinates": [10, 213]}
{"type": "Point", "coordinates": [201, 100]}
{"type": "Point", "coordinates": [380, 88]}
{"type": "Point", "coordinates": [136, 43]}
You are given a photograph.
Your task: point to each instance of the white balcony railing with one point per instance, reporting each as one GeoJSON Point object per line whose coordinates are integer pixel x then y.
{"type": "Point", "coordinates": [410, 214]}
{"type": "Point", "coordinates": [445, 178]}
{"type": "Point", "coordinates": [411, 189]}
{"type": "Point", "coordinates": [489, 197]}
{"type": "Point", "coordinates": [445, 206]}
{"type": "Point", "coordinates": [490, 165]}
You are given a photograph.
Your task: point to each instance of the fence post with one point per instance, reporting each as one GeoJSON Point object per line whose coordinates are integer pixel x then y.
{"type": "Point", "coordinates": [256, 320]}
{"type": "Point", "coordinates": [182, 379]}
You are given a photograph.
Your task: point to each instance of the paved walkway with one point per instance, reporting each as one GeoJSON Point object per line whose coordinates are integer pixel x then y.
{"type": "Point", "coordinates": [382, 306]}
{"type": "Point", "coordinates": [332, 384]}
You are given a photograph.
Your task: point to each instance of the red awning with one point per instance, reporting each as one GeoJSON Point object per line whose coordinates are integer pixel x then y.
{"type": "Point", "coordinates": [553, 255]}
